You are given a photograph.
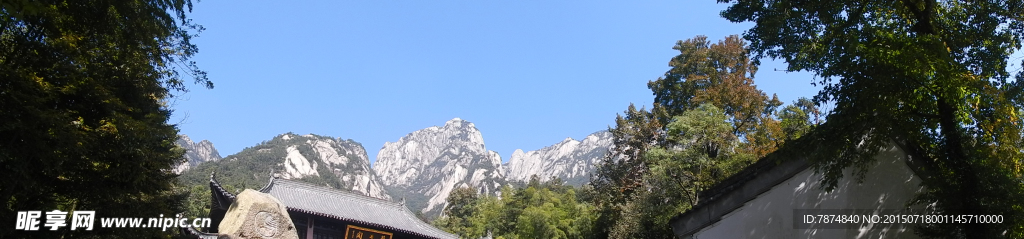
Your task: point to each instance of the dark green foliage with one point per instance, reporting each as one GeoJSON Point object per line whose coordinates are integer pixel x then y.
{"type": "Point", "coordinates": [929, 75]}
{"type": "Point", "coordinates": [82, 90]}
{"type": "Point", "coordinates": [540, 210]}
{"type": "Point", "coordinates": [462, 204]}
{"type": "Point", "coordinates": [796, 119]}
{"type": "Point", "coordinates": [621, 173]}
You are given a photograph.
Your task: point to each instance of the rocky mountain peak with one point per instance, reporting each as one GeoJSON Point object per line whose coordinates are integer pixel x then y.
{"type": "Point", "coordinates": [195, 153]}
{"type": "Point", "coordinates": [426, 165]}
{"type": "Point", "coordinates": [456, 123]}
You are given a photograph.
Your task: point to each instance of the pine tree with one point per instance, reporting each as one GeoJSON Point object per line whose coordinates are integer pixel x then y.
{"type": "Point", "coordinates": [82, 91]}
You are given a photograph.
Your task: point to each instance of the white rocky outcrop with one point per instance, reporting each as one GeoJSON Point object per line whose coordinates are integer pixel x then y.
{"type": "Point", "coordinates": [195, 153]}
{"type": "Point", "coordinates": [340, 163]}
{"type": "Point", "coordinates": [570, 160]}
{"type": "Point", "coordinates": [297, 166]}
{"type": "Point", "coordinates": [426, 165]}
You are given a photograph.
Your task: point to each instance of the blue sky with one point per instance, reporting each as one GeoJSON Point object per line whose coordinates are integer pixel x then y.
{"type": "Point", "coordinates": [527, 73]}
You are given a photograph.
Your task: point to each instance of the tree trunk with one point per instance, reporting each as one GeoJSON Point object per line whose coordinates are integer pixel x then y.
{"type": "Point", "coordinates": [957, 160]}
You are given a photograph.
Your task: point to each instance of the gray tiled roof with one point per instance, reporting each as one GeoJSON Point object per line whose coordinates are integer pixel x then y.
{"type": "Point", "coordinates": [349, 206]}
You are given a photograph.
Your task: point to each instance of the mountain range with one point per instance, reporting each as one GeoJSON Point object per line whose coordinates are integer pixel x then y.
{"type": "Point", "coordinates": [421, 168]}
{"type": "Point", "coordinates": [333, 162]}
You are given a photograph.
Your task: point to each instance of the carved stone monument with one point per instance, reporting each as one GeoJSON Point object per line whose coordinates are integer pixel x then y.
{"type": "Point", "coordinates": [257, 215]}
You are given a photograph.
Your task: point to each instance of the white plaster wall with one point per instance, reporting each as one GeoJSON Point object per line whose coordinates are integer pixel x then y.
{"type": "Point", "coordinates": [889, 184]}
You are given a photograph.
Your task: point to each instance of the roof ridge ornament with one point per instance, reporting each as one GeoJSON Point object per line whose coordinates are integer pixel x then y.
{"type": "Point", "coordinates": [270, 183]}
{"type": "Point", "coordinates": [216, 185]}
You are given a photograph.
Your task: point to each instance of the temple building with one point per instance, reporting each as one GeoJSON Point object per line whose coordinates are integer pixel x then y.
{"type": "Point", "coordinates": [320, 212]}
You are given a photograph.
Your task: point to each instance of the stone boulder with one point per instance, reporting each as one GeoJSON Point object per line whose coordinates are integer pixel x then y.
{"type": "Point", "coordinates": [257, 215]}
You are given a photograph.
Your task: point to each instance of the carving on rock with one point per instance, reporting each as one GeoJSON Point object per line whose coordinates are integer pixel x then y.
{"type": "Point", "coordinates": [257, 215]}
{"type": "Point", "coordinates": [269, 226]}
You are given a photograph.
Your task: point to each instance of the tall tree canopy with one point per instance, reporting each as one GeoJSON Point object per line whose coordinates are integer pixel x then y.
{"type": "Point", "coordinates": [709, 121]}
{"type": "Point", "coordinates": [930, 75]}
{"type": "Point", "coordinates": [82, 90]}
{"type": "Point", "coordinates": [721, 74]}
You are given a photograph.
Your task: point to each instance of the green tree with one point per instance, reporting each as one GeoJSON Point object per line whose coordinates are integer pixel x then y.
{"type": "Point", "coordinates": [721, 74]}
{"type": "Point", "coordinates": [620, 174]}
{"type": "Point", "coordinates": [708, 120]}
{"type": "Point", "coordinates": [541, 210]}
{"type": "Point", "coordinates": [459, 212]}
{"type": "Point", "coordinates": [930, 75]}
{"type": "Point", "coordinates": [699, 151]}
{"type": "Point", "coordinates": [796, 119]}
{"type": "Point", "coordinates": [82, 90]}
{"type": "Point", "coordinates": [488, 217]}
{"type": "Point", "coordinates": [540, 222]}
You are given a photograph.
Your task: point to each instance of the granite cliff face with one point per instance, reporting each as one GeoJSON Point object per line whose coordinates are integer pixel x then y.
{"type": "Point", "coordinates": [426, 165]}
{"type": "Point", "coordinates": [196, 153]}
{"type": "Point", "coordinates": [570, 160]}
{"type": "Point", "coordinates": [322, 160]}
{"type": "Point", "coordinates": [346, 160]}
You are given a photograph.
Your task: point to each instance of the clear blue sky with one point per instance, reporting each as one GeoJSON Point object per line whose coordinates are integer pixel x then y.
{"type": "Point", "coordinates": [527, 73]}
